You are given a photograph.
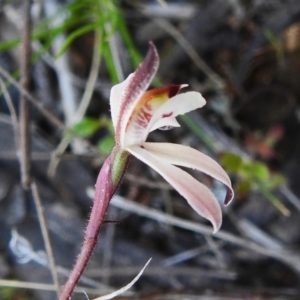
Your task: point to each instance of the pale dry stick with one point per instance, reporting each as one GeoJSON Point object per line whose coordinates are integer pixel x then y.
{"type": "Point", "coordinates": [253, 232]}
{"type": "Point", "coordinates": [188, 254]}
{"type": "Point", "coordinates": [190, 51]}
{"type": "Point", "coordinates": [165, 270]}
{"type": "Point", "coordinates": [38, 156]}
{"type": "Point", "coordinates": [13, 113]}
{"type": "Point", "coordinates": [13, 17]}
{"type": "Point", "coordinates": [163, 3]}
{"type": "Point", "coordinates": [115, 53]}
{"type": "Point", "coordinates": [233, 294]}
{"type": "Point", "coordinates": [67, 92]}
{"type": "Point", "coordinates": [175, 10]}
{"type": "Point", "coordinates": [68, 95]}
{"type": "Point", "coordinates": [92, 79]}
{"type": "Point", "coordinates": [289, 195]}
{"type": "Point", "coordinates": [10, 155]}
{"type": "Point", "coordinates": [6, 119]}
{"type": "Point", "coordinates": [27, 285]}
{"type": "Point", "coordinates": [24, 104]}
{"type": "Point", "coordinates": [51, 117]}
{"type": "Point", "coordinates": [184, 256]}
{"type": "Point", "coordinates": [290, 258]}
{"type": "Point", "coordinates": [215, 249]}
{"type": "Point", "coordinates": [84, 103]}
{"type": "Point", "coordinates": [45, 234]}
{"type": "Point", "coordinates": [44, 286]}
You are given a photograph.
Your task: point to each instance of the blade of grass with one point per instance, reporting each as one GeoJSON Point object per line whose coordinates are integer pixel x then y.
{"type": "Point", "coordinates": [75, 34]}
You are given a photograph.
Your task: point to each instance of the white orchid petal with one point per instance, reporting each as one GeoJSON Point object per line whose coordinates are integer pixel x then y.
{"type": "Point", "coordinates": [171, 121]}
{"type": "Point", "coordinates": [191, 158]}
{"type": "Point", "coordinates": [178, 105]}
{"type": "Point", "coordinates": [198, 195]}
{"type": "Point", "coordinates": [148, 104]}
{"type": "Point", "coordinates": [136, 87]}
{"type": "Point", "coordinates": [115, 98]}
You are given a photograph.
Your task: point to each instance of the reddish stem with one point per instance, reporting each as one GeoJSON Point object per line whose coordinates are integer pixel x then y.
{"type": "Point", "coordinates": [108, 180]}
{"type": "Point", "coordinates": [82, 260]}
{"type": "Point", "coordinates": [103, 194]}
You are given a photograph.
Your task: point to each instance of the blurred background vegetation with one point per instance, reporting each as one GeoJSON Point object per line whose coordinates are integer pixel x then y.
{"type": "Point", "coordinates": [242, 55]}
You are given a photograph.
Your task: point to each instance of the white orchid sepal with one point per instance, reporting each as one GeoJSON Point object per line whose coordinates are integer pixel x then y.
{"type": "Point", "coordinates": [136, 112]}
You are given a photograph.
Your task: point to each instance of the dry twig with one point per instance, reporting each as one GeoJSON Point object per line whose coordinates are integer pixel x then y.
{"type": "Point", "coordinates": [84, 103]}
{"type": "Point", "coordinates": [45, 234]}
{"type": "Point", "coordinates": [51, 117]}
{"type": "Point", "coordinates": [285, 255]}
{"type": "Point", "coordinates": [24, 104]}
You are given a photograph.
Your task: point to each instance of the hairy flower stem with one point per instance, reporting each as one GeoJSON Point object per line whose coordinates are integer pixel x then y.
{"type": "Point", "coordinates": [108, 181]}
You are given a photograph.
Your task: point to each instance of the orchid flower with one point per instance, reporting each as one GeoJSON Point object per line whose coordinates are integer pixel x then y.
{"type": "Point", "coordinates": [136, 112]}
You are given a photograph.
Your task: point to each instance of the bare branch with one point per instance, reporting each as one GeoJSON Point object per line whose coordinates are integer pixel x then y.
{"type": "Point", "coordinates": [24, 104]}
{"type": "Point", "coordinates": [46, 237]}
{"type": "Point", "coordinates": [52, 118]}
